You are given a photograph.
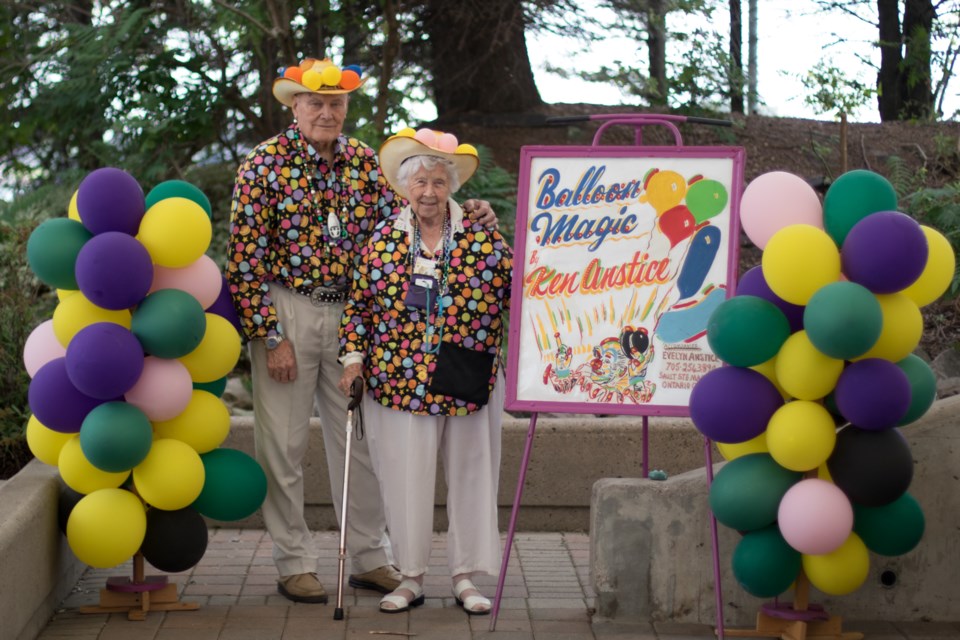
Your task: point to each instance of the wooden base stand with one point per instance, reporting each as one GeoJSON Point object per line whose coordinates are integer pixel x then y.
{"type": "Point", "coordinates": [138, 596]}
{"type": "Point", "coordinates": [796, 620]}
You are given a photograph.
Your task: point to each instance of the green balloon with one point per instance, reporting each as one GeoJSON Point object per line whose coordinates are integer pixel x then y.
{"type": "Point", "coordinates": [234, 485]}
{"type": "Point", "coordinates": [746, 330]}
{"type": "Point", "coordinates": [216, 387]}
{"type": "Point", "coordinates": [923, 387]}
{"type": "Point", "coordinates": [116, 436]}
{"type": "Point", "coordinates": [178, 189]}
{"type": "Point", "coordinates": [746, 493]}
{"type": "Point", "coordinates": [764, 564]}
{"type": "Point", "coordinates": [705, 199]}
{"type": "Point", "coordinates": [851, 198]}
{"type": "Point", "coordinates": [843, 320]}
{"type": "Point", "coordinates": [52, 250]}
{"type": "Point", "coordinates": [890, 530]}
{"type": "Point", "coordinates": [169, 323]}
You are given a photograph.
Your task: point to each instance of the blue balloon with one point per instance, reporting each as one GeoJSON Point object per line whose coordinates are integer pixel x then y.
{"type": "Point", "coordinates": [700, 256]}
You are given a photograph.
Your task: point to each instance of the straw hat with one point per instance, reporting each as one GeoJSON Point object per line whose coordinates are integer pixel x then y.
{"type": "Point", "coordinates": [408, 143]}
{"type": "Point", "coordinates": [316, 76]}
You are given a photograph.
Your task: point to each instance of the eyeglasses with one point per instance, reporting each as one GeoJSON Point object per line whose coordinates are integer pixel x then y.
{"type": "Point", "coordinates": [314, 105]}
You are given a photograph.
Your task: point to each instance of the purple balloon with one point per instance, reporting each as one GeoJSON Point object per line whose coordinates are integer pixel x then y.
{"type": "Point", "coordinates": [104, 360]}
{"type": "Point", "coordinates": [114, 270]}
{"type": "Point", "coordinates": [733, 404]}
{"type": "Point", "coordinates": [55, 402]}
{"type": "Point", "coordinates": [752, 283]}
{"type": "Point", "coordinates": [873, 394]}
{"type": "Point", "coordinates": [223, 306]}
{"type": "Point", "coordinates": [110, 199]}
{"type": "Point", "coordinates": [885, 252]}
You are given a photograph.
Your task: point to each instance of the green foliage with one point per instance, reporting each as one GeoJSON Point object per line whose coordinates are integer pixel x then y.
{"type": "Point", "coordinates": [496, 185]}
{"type": "Point", "coordinates": [831, 91]}
{"type": "Point", "coordinates": [939, 208]}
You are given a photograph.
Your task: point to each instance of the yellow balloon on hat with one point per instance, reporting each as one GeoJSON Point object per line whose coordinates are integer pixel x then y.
{"type": "Point", "coordinates": [203, 424]}
{"type": "Point", "coordinates": [841, 571]}
{"type": "Point", "coordinates": [311, 79]}
{"type": "Point", "coordinates": [106, 527]}
{"type": "Point", "coordinates": [801, 435]}
{"type": "Point", "coordinates": [176, 232]}
{"type": "Point", "coordinates": [938, 272]}
{"type": "Point", "coordinates": [330, 76]}
{"type": "Point", "coordinates": [44, 443]}
{"type": "Point", "coordinates": [217, 353]}
{"type": "Point", "coordinates": [80, 475]}
{"type": "Point", "coordinates": [798, 260]}
{"type": "Point", "coordinates": [900, 331]}
{"type": "Point", "coordinates": [76, 312]}
{"type": "Point", "coordinates": [171, 476]}
{"type": "Point", "coordinates": [803, 371]}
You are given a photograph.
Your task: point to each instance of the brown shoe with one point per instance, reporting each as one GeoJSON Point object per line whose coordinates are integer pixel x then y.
{"type": "Point", "coordinates": [302, 587]}
{"type": "Point", "coordinates": [383, 579]}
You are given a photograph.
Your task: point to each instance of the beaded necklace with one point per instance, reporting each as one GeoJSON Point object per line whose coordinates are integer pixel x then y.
{"type": "Point", "coordinates": [444, 269]}
{"type": "Point", "coordinates": [334, 230]}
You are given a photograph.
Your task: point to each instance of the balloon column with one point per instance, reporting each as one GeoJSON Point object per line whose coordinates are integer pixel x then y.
{"type": "Point", "coordinates": [820, 381]}
{"type": "Point", "coordinates": [126, 375]}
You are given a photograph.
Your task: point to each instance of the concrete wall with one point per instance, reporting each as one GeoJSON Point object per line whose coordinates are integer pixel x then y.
{"type": "Point", "coordinates": [37, 568]}
{"type": "Point", "coordinates": [569, 454]}
{"type": "Point", "coordinates": [651, 553]}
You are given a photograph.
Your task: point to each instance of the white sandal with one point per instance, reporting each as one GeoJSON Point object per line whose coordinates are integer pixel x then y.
{"type": "Point", "coordinates": [470, 604]}
{"type": "Point", "coordinates": [401, 603]}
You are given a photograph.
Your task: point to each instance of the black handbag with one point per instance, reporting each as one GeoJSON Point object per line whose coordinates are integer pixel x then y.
{"type": "Point", "coordinates": [462, 373]}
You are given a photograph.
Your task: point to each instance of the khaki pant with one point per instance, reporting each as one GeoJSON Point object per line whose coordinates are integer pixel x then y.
{"type": "Point", "coordinates": [282, 414]}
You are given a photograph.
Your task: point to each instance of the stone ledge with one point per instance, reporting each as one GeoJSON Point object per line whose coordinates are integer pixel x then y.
{"type": "Point", "coordinates": [37, 568]}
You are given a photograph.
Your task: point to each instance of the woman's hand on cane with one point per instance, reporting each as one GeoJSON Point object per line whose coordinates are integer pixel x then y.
{"type": "Point", "coordinates": [350, 373]}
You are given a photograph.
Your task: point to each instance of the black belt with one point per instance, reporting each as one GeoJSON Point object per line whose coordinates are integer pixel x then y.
{"type": "Point", "coordinates": [323, 295]}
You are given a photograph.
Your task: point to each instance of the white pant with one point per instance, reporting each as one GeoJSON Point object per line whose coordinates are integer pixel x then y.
{"type": "Point", "coordinates": [404, 449]}
{"type": "Point", "coordinates": [282, 412]}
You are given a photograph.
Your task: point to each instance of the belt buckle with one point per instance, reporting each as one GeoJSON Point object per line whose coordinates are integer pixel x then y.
{"type": "Point", "coordinates": [316, 297]}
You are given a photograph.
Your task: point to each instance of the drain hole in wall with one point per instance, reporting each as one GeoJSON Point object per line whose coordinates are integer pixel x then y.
{"type": "Point", "coordinates": [888, 579]}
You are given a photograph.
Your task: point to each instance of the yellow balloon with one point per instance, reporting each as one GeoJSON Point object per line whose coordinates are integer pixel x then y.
{"type": "Point", "coordinates": [798, 260]}
{"type": "Point", "coordinates": [171, 476]}
{"type": "Point", "coordinates": [176, 232]}
{"type": "Point", "coordinates": [937, 274]}
{"type": "Point", "coordinates": [311, 79]}
{"type": "Point", "coordinates": [80, 475]}
{"type": "Point", "coordinates": [217, 353]}
{"type": "Point", "coordinates": [72, 212]}
{"type": "Point", "coordinates": [76, 312]}
{"type": "Point", "coordinates": [823, 473]}
{"type": "Point", "coordinates": [106, 527]}
{"type": "Point", "coordinates": [803, 371]}
{"type": "Point", "coordinates": [203, 424]}
{"type": "Point", "coordinates": [733, 451]}
{"type": "Point", "coordinates": [330, 76]}
{"type": "Point", "coordinates": [769, 371]}
{"type": "Point", "coordinates": [801, 435]}
{"type": "Point", "coordinates": [841, 571]}
{"type": "Point", "coordinates": [63, 294]}
{"type": "Point", "coordinates": [901, 330]}
{"type": "Point", "coordinates": [45, 443]}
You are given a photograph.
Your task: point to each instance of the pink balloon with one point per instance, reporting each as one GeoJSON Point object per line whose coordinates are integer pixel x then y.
{"type": "Point", "coordinates": [427, 137]}
{"type": "Point", "coordinates": [41, 347]}
{"type": "Point", "coordinates": [201, 279]}
{"type": "Point", "coordinates": [163, 390]}
{"type": "Point", "coordinates": [815, 517]}
{"type": "Point", "coordinates": [776, 200]}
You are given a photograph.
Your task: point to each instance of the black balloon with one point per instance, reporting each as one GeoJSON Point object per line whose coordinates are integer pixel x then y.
{"type": "Point", "coordinates": [873, 468]}
{"type": "Point", "coordinates": [66, 501]}
{"type": "Point", "coordinates": [175, 540]}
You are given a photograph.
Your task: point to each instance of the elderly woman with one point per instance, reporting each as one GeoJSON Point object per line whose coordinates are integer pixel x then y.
{"type": "Point", "coordinates": [423, 327]}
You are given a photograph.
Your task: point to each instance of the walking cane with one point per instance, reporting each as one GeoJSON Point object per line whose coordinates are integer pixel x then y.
{"type": "Point", "coordinates": [356, 393]}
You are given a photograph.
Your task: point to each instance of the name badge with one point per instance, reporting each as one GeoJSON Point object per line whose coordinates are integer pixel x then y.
{"type": "Point", "coordinates": [423, 281]}
{"type": "Point", "coordinates": [425, 266]}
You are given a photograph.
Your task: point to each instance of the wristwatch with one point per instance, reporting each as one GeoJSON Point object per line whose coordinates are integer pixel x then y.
{"type": "Point", "coordinates": [274, 341]}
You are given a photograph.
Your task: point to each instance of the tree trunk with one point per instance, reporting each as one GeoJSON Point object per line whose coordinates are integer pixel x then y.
{"type": "Point", "coordinates": [657, 51]}
{"type": "Point", "coordinates": [915, 87]}
{"type": "Point", "coordinates": [391, 46]}
{"type": "Point", "coordinates": [889, 101]}
{"type": "Point", "coordinates": [479, 58]}
{"type": "Point", "coordinates": [736, 60]}
{"type": "Point", "coordinates": [752, 58]}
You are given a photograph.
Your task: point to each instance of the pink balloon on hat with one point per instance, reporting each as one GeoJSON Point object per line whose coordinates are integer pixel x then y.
{"type": "Point", "coordinates": [201, 279]}
{"type": "Point", "coordinates": [447, 143]}
{"type": "Point", "coordinates": [815, 517]}
{"type": "Point", "coordinates": [41, 347]}
{"type": "Point", "coordinates": [427, 137]}
{"type": "Point", "coordinates": [776, 200]}
{"type": "Point", "coordinates": [163, 390]}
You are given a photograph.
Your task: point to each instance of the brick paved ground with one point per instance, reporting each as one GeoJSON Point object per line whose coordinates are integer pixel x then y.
{"type": "Point", "coordinates": [547, 596]}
